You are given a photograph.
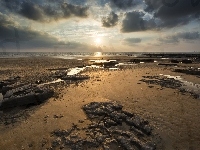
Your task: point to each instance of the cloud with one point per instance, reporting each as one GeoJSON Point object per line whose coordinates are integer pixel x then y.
{"type": "Point", "coordinates": [70, 10]}
{"type": "Point", "coordinates": [173, 12]}
{"type": "Point", "coordinates": [6, 26]}
{"type": "Point", "coordinates": [42, 11]}
{"type": "Point", "coordinates": [180, 36]}
{"type": "Point", "coordinates": [124, 4]}
{"type": "Point", "coordinates": [189, 35]}
{"type": "Point", "coordinates": [134, 22]}
{"type": "Point", "coordinates": [111, 20]}
{"type": "Point", "coordinates": [132, 41]}
{"type": "Point", "coordinates": [31, 11]}
{"type": "Point", "coordinates": [30, 39]}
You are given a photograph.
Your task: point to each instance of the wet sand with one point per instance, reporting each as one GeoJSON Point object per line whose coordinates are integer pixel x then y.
{"type": "Point", "coordinates": [173, 115]}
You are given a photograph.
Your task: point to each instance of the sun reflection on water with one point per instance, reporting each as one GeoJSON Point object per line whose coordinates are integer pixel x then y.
{"type": "Point", "coordinates": [98, 54]}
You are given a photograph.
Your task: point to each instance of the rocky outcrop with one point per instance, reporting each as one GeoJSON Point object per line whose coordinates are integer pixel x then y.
{"type": "Point", "coordinates": [25, 95]}
{"type": "Point", "coordinates": [9, 81]}
{"type": "Point", "coordinates": [111, 129]}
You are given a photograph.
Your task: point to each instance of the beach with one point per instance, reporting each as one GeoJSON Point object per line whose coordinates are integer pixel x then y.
{"type": "Point", "coordinates": [173, 113]}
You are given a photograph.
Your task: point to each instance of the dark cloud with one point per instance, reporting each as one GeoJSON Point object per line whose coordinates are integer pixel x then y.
{"type": "Point", "coordinates": [124, 4]}
{"type": "Point", "coordinates": [14, 36]}
{"type": "Point", "coordinates": [185, 36]}
{"type": "Point", "coordinates": [6, 27]}
{"type": "Point", "coordinates": [132, 41]}
{"type": "Point", "coordinates": [31, 11]}
{"type": "Point", "coordinates": [168, 39]}
{"type": "Point", "coordinates": [188, 35]}
{"type": "Point", "coordinates": [134, 22]}
{"type": "Point", "coordinates": [45, 10]}
{"type": "Point", "coordinates": [173, 12]}
{"type": "Point", "coordinates": [111, 20]}
{"type": "Point", "coordinates": [70, 10]}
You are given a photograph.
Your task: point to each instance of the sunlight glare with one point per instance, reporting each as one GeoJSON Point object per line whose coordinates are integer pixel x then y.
{"type": "Point", "coordinates": [98, 54]}
{"type": "Point", "coordinates": [97, 41]}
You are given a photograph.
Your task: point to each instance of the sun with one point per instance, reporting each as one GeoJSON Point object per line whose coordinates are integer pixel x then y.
{"type": "Point", "coordinates": [97, 41]}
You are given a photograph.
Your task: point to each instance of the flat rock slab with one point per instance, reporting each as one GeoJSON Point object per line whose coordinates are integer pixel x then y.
{"type": "Point", "coordinates": [25, 95]}
{"type": "Point", "coordinates": [111, 129]}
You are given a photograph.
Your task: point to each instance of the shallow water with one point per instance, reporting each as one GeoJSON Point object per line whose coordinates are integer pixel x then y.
{"type": "Point", "coordinates": [187, 86]}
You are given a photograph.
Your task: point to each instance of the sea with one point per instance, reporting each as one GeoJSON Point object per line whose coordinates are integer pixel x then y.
{"type": "Point", "coordinates": [73, 55]}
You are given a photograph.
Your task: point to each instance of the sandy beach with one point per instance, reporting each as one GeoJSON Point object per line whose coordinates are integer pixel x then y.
{"type": "Point", "coordinates": [172, 113]}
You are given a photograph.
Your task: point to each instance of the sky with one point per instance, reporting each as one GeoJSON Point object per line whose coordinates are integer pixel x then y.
{"type": "Point", "coordinates": [100, 25]}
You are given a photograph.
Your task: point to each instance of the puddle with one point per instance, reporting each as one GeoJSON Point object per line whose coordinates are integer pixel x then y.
{"type": "Point", "coordinates": [75, 71]}
{"type": "Point", "coordinates": [52, 82]}
{"type": "Point", "coordinates": [187, 86]}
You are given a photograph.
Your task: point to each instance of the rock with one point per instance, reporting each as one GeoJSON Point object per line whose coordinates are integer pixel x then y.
{"type": "Point", "coordinates": [167, 64]}
{"type": "Point", "coordinates": [111, 129]}
{"type": "Point", "coordinates": [12, 86]}
{"type": "Point", "coordinates": [9, 81]}
{"type": "Point", "coordinates": [189, 71]}
{"type": "Point", "coordinates": [142, 60]}
{"type": "Point", "coordinates": [25, 95]}
{"type": "Point", "coordinates": [174, 61]}
{"type": "Point", "coordinates": [187, 61]}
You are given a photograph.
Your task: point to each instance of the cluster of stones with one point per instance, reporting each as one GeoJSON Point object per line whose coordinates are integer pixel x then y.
{"type": "Point", "coordinates": [163, 82]}
{"type": "Point", "coordinates": [111, 129]}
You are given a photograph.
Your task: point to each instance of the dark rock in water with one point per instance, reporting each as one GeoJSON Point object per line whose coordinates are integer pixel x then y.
{"type": "Point", "coordinates": [187, 61]}
{"type": "Point", "coordinates": [167, 64]}
{"type": "Point", "coordinates": [142, 60]}
{"type": "Point", "coordinates": [25, 95]}
{"type": "Point", "coordinates": [111, 129]}
{"type": "Point", "coordinates": [174, 61]}
{"type": "Point", "coordinates": [75, 77]}
{"type": "Point", "coordinates": [188, 71]}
